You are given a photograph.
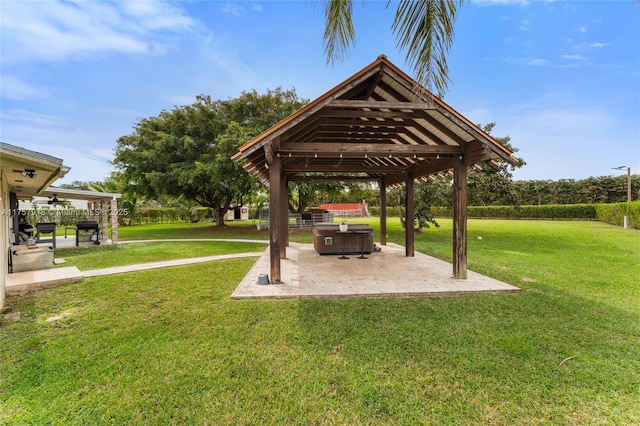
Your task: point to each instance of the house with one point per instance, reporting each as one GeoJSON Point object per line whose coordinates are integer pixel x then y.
{"type": "Point", "coordinates": [23, 174]}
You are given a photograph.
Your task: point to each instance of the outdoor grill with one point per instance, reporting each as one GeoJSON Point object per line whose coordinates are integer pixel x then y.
{"type": "Point", "coordinates": [85, 229]}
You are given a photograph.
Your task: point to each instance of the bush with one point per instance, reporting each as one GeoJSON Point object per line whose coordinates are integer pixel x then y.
{"type": "Point", "coordinates": [391, 211]}
{"type": "Point", "coordinates": [147, 216]}
{"type": "Point", "coordinates": [615, 213]}
{"type": "Point", "coordinates": [549, 211]}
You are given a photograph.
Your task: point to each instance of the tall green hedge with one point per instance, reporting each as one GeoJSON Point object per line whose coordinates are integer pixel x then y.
{"type": "Point", "coordinates": [614, 213]}
{"type": "Point", "coordinates": [153, 215]}
{"type": "Point", "coordinates": [549, 211]}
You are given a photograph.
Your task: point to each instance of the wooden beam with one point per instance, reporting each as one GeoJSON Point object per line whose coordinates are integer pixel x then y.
{"type": "Point", "coordinates": [369, 114]}
{"type": "Point", "coordinates": [350, 168]}
{"type": "Point", "coordinates": [460, 220]}
{"type": "Point", "coordinates": [339, 103]}
{"type": "Point", "coordinates": [383, 212]}
{"type": "Point", "coordinates": [410, 216]}
{"type": "Point", "coordinates": [355, 149]}
{"type": "Point", "coordinates": [275, 182]}
{"type": "Point", "coordinates": [337, 178]}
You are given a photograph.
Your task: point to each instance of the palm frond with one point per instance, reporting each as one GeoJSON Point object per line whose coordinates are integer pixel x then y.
{"type": "Point", "coordinates": [339, 33]}
{"type": "Point", "coordinates": [425, 29]}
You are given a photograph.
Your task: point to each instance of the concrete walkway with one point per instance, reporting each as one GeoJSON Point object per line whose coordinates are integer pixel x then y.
{"type": "Point", "coordinates": [29, 281]}
{"type": "Point", "coordinates": [166, 264]}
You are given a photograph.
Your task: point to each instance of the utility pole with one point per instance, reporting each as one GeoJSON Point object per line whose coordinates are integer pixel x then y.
{"type": "Point", "coordinates": [628, 180]}
{"type": "Point", "coordinates": [627, 224]}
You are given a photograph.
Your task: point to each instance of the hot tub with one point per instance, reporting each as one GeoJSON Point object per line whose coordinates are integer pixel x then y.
{"type": "Point", "coordinates": [327, 238]}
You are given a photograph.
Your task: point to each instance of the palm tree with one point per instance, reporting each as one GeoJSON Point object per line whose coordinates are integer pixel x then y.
{"type": "Point", "coordinates": [108, 185]}
{"type": "Point", "coordinates": [423, 27]}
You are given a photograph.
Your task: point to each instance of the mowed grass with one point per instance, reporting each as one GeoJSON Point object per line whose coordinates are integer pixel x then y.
{"type": "Point", "coordinates": [144, 252]}
{"type": "Point", "coordinates": [169, 346]}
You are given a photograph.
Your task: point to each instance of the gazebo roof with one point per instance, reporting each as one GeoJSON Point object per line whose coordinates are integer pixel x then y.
{"type": "Point", "coordinates": [377, 124]}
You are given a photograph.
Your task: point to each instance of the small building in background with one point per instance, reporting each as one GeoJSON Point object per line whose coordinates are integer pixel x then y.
{"type": "Point", "coordinates": [237, 213]}
{"type": "Point", "coordinates": [347, 209]}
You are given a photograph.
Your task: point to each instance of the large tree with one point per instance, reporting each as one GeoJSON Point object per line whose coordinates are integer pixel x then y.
{"type": "Point", "coordinates": [187, 151]}
{"type": "Point", "coordinates": [491, 184]}
{"type": "Point", "coordinates": [423, 28]}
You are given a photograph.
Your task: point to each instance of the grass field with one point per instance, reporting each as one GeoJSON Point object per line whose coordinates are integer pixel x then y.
{"type": "Point", "coordinates": [169, 346]}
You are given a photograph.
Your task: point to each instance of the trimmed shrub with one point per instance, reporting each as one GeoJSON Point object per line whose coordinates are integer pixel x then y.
{"type": "Point", "coordinates": [145, 216]}
{"type": "Point", "coordinates": [615, 213]}
{"type": "Point", "coordinates": [549, 211]}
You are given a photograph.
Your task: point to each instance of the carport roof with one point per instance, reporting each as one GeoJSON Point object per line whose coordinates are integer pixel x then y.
{"type": "Point", "coordinates": [44, 169]}
{"type": "Point", "coordinates": [378, 124]}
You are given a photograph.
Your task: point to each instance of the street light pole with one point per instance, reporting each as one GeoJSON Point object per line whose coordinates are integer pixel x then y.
{"type": "Point", "coordinates": [629, 184]}
{"type": "Point", "coordinates": [628, 180]}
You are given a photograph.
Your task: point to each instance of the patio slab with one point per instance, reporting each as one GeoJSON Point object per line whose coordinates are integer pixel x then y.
{"type": "Point", "coordinates": [28, 281]}
{"type": "Point", "coordinates": [388, 273]}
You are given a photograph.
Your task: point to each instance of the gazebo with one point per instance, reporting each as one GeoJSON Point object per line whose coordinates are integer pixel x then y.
{"type": "Point", "coordinates": [378, 125]}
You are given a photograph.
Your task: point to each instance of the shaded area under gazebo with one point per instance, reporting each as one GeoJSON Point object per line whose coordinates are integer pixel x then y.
{"type": "Point", "coordinates": [305, 273]}
{"type": "Point", "coordinates": [378, 126]}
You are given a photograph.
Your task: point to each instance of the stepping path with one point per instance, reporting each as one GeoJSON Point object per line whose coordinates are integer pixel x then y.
{"type": "Point", "coordinates": [28, 281]}
{"type": "Point", "coordinates": [165, 264]}
{"type": "Point", "coordinates": [177, 262]}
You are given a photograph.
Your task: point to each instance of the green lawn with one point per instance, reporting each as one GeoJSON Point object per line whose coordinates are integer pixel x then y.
{"type": "Point", "coordinates": [168, 346]}
{"type": "Point", "coordinates": [134, 253]}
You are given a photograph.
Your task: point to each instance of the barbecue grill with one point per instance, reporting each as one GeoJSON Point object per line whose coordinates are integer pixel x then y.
{"type": "Point", "coordinates": [46, 228]}
{"type": "Point", "coordinates": [88, 228]}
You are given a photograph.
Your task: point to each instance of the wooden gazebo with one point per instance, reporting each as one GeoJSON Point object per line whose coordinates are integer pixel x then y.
{"type": "Point", "coordinates": [378, 125]}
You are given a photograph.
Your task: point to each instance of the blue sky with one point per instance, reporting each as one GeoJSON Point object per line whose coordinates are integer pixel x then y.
{"type": "Point", "coordinates": [561, 78]}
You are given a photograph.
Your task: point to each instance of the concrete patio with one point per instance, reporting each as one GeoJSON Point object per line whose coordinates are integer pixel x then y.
{"type": "Point", "coordinates": [388, 273]}
{"type": "Point", "coordinates": [305, 273]}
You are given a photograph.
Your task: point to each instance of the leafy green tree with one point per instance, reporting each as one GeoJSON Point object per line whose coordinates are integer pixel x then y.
{"type": "Point", "coordinates": [76, 184]}
{"type": "Point", "coordinates": [303, 195]}
{"type": "Point", "coordinates": [186, 152]}
{"type": "Point", "coordinates": [423, 28]}
{"type": "Point", "coordinates": [491, 184]}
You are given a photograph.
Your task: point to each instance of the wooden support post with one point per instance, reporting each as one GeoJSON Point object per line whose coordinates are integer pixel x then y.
{"type": "Point", "coordinates": [459, 220]}
{"type": "Point", "coordinates": [275, 183]}
{"type": "Point", "coordinates": [383, 212]}
{"type": "Point", "coordinates": [284, 216]}
{"type": "Point", "coordinates": [410, 216]}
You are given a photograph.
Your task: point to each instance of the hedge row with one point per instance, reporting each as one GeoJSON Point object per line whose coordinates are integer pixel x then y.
{"type": "Point", "coordinates": [548, 211]}
{"type": "Point", "coordinates": [167, 215]}
{"type": "Point", "coordinates": [615, 213]}
{"type": "Point", "coordinates": [559, 211]}
{"type": "Point", "coordinates": [609, 213]}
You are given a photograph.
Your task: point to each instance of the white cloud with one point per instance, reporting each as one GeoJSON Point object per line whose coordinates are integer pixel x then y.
{"type": "Point", "coordinates": [80, 149]}
{"type": "Point", "coordinates": [582, 30]}
{"type": "Point", "coordinates": [232, 9]}
{"type": "Point", "coordinates": [27, 118]}
{"type": "Point", "coordinates": [560, 138]}
{"type": "Point", "coordinates": [573, 57]}
{"type": "Point", "coordinates": [16, 89]}
{"type": "Point", "coordinates": [539, 62]}
{"type": "Point", "coordinates": [179, 100]}
{"type": "Point", "coordinates": [56, 30]}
